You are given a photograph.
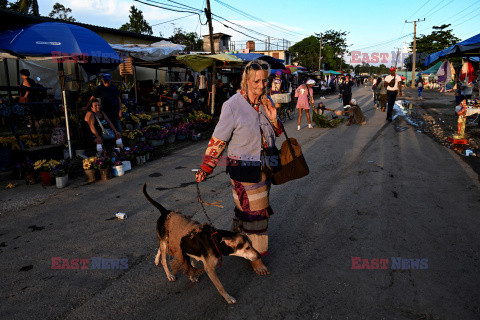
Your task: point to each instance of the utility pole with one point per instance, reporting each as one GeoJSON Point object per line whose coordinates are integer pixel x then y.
{"type": "Point", "coordinates": [268, 43]}
{"type": "Point", "coordinates": [208, 13]}
{"type": "Point", "coordinates": [414, 57]}
{"type": "Point", "coordinates": [396, 57]}
{"type": "Point", "coordinates": [320, 54]}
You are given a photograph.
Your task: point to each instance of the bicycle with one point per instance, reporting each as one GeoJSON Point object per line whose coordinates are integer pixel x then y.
{"type": "Point", "coordinates": [286, 110]}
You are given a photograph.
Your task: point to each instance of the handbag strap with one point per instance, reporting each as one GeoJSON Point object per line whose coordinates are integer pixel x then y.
{"type": "Point", "coordinates": [100, 123]}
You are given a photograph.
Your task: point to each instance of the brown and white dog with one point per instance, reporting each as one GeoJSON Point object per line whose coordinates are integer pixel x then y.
{"type": "Point", "coordinates": [205, 244]}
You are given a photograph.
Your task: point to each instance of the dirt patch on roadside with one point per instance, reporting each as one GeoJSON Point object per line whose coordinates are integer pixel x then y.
{"type": "Point", "coordinates": [435, 116]}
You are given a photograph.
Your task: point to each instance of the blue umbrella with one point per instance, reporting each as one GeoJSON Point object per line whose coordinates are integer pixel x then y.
{"type": "Point", "coordinates": [55, 39]}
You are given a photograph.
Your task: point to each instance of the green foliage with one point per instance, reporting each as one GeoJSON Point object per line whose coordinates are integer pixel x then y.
{"type": "Point", "coordinates": [334, 43]}
{"type": "Point", "coordinates": [137, 23]}
{"type": "Point", "coordinates": [60, 12]}
{"type": "Point", "coordinates": [305, 52]}
{"type": "Point", "coordinates": [439, 39]}
{"type": "Point", "coordinates": [3, 4]}
{"type": "Point", "coordinates": [370, 69]}
{"type": "Point", "coordinates": [190, 39]}
{"type": "Point", "coordinates": [322, 121]}
{"type": "Point", "coordinates": [25, 6]}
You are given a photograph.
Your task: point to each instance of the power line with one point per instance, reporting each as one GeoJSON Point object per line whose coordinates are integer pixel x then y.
{"type": "Point", "coordinates": [236, 30]}
{"type": "Point", "coordinates": [158, 6]}
{"type": "Point", "coordinates": [245, 14]}
{"type": "Point", "coordinates": [421, 6]}
{"type": "Point", "coordinates": [156, 24]}
{"type": "Point", "coordinates": [381, 44]}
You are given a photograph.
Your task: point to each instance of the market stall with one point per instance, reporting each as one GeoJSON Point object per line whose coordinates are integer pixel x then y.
{"type": "Point", "coordinates": [60, 43]}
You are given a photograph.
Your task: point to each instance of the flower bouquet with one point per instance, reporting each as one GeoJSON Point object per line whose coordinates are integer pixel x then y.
{"type": "Point", "coordinates": [89, 169]}
{"type": "Point", "coordinates": [45, 167]}
{"type": "Point", "coordinates": [60, 172]}
{"type": "Point", "coordinates": [171, 133]}
{"type": "Point", "coordinates": [103, 164]}
{"type": "Point", "coordinates": [183, 130]}
{"type": "Point", "coordinates": [131, 137]}
{"type": "Point", "coordinates": [155, 135]}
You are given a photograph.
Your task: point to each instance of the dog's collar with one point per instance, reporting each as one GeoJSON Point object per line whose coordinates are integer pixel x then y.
{"type": "Point", "coordinates": [214, 232]}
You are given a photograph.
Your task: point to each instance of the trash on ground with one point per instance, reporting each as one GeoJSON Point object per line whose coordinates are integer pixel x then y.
{"type": "Point", "coordinates": [400, 129]}
{"type": "Point", "coordinates": [11, 185]}
{"type": "Point", "coordinates": [469, 153]}
{"type": "Point", "coordinates": [121, 215]}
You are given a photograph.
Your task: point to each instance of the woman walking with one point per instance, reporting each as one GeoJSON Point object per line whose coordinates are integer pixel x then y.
{"type": "Point", "coordinates": [304, 95]}
{"type": "Point", "coordinates": [248, 123]}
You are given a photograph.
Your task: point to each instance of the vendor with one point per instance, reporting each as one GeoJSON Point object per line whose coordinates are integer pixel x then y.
{"type": "Point", "coordinates": [110, 99]}
{"type": "Point", "coordinates": [93, 118]}
{"type": "Point", "coordinates": [25, 94]}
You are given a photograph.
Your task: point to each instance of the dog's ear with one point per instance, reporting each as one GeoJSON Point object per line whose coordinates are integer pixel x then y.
{"type": "Point", "coordinates": [228, 241]}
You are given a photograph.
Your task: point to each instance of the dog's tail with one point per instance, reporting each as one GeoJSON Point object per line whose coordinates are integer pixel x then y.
{"type": "Point", "coordinates": [155, 203]}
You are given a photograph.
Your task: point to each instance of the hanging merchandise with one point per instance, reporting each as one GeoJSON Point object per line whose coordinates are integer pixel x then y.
{"type": "Point", "coordinates": [468, 73]}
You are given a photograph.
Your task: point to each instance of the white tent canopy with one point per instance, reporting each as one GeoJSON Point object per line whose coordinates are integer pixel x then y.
{"type": "Point", "coordinates": [153, 52]}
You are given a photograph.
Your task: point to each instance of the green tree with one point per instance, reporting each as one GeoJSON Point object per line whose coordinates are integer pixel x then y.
{"type": "Point", "coordinates": [137, 23]}
{"type": "Point", "coordinates": [3, 4]}
{"type": "Point", "coordinates": [190, 39]}
{"type": "Point", "coordinates": [305, 52]}
{"type": "Point", "coordinates": [334, 44]}
{"type": "Point", "coordinates": [60, 12]}
{"type": "Point", "coordinates": [25, 6]}
{"type": "Point", "coordinates": [440, 38]}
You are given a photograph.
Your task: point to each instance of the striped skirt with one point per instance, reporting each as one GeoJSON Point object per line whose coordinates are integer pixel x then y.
{"type": "Point", "coordinates": [252, 211]}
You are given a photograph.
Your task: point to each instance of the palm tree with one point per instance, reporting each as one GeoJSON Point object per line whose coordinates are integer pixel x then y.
{"type": "Point", "coordinates": [26, 6]}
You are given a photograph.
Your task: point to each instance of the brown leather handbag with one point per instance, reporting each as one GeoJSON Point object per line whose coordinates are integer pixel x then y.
{"type": "Point", "coordinates": [293, 163]}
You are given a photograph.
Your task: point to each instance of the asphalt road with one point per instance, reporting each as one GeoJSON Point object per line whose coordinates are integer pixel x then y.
{"type": "Point", "coordinates": [372, 192]}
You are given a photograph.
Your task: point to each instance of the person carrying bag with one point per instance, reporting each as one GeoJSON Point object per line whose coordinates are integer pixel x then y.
{"type": "Point", "coordinates": [293, 164]}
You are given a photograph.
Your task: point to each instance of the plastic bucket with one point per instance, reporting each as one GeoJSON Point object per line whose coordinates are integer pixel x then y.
{"type": "Point", "coordinates": [118, 171]}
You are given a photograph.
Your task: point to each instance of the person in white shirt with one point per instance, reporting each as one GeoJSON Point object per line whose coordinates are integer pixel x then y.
{"type": "Point", "coordinates": [393, 85]}
{"type": "Point", "coordinates": [323, 89]}
{"type": "Point", "coordinates": [202, 85]}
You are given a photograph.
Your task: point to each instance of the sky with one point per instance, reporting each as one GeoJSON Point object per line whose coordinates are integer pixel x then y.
{"type": "Point", "coordinates": [372, 26]}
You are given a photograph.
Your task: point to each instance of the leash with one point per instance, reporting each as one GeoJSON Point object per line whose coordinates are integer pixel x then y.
{"type": "Point", "coordinates": [216, 204]}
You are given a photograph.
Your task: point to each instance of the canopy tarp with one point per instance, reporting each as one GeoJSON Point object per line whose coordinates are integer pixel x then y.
{"type": "Point", "coordinates": [199, 62]}
{"type": "Point", "coordinates": [433, 69]}
{"type": "Point", "coordinates": [273, 62]}
{"type": "Point", "coordinates": [469, 47]}
{"type": "Point", "coordinates": [153, 52]}
{"type": "Point", "coordinates": [331, 72]}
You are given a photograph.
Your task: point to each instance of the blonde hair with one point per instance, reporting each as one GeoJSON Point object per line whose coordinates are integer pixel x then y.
{"type": "Point", "coordinates": [249, 71]}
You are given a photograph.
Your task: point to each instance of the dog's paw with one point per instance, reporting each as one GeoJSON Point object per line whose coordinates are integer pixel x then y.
{"type": "Point", "coordinates": [171, 277]}
{"type": "Point", "coordinates": [230, 299]}
{"type": "Point", "coordinates": [194, 279]}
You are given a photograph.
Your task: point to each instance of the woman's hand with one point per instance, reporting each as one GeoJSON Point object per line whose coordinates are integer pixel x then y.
{"type": "Point", "coordinates": [98, 140]}
{"type": "Point", "coordinates": [117, 135]}
{"type": "Point", "coordinates": [200, 176]}
{"type": "Point", "coordinates": [270, 109]}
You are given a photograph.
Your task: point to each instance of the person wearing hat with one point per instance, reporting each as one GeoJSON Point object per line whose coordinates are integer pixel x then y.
{"type": "Point", "coordinates": [277, 87]}
{"type": "Point", "coordinates": [109, 96]}
{"type": "Point", "coordinates": [345, 90]}
{"type": "Point", "coordinates": [355, 114]}
{"type": "Point", "coordinates": [304, 95]}
{"type": "Point", "coordinates": [393, 85]}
